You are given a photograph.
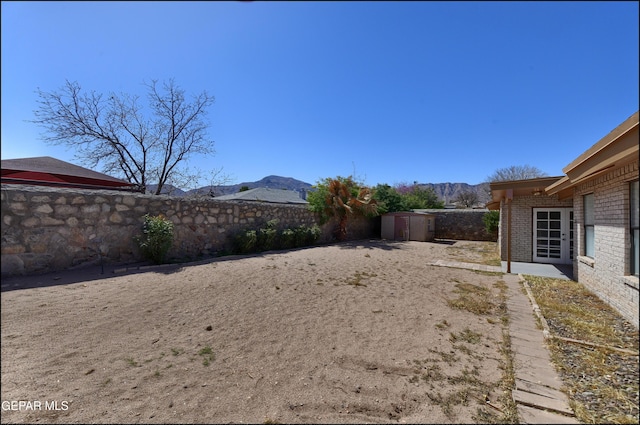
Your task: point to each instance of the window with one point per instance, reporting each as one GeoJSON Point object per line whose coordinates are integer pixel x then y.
{"type": "Point", "coordinates": [588, 226]}
{"type": "Point", "coordinates": [634, 198]}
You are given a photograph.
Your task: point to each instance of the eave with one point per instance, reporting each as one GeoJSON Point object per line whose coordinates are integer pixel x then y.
{"type": "Point", "coordinates": [617, 148]}
{"type": "Point", "coordinates": [509, 189]}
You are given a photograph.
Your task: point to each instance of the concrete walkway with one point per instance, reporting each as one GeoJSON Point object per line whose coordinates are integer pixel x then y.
{"type": "Point", "coordinates": [557, 271]}
{"type": "Point", "coordinates": [537, 393]}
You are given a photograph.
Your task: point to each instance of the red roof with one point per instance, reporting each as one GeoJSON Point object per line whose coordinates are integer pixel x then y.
{"type": "Point", "coordinates": [48, 171]}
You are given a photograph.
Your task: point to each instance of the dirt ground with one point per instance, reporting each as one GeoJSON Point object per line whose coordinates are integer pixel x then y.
{"type": "Point", "coordinates": [360, 332]}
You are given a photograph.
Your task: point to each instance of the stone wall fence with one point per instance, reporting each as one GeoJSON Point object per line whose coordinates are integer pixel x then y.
{"type": "Point", "coordinates": [49, 229]}
{"type": "Point", "coordinates": [461, 224]}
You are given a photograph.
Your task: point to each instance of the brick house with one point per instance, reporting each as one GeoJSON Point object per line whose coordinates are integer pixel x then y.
{"type": "Point", "coordinates": [587, 218]}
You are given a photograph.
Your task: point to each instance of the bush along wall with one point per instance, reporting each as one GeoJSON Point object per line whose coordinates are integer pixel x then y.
{"type": "Point", "coordinates": [156, 238]}
{"type": "Point", "coordinates": [270, 237]}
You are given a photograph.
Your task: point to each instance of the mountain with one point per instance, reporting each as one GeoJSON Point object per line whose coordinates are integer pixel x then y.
{"type": "Point", "coordinates": [271, 182]}
{"type": "Point", "coordinates": [167, 189]}
{"type": "Point", "coordinates": [448, 192]}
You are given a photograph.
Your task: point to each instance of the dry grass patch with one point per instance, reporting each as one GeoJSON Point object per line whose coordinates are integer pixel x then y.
{"type": "Point", "coordinates": [480, 300]}
{"type": "Point", "coordinates": [467, 335]}
{"type": "Point", "coordinates": [473, 298]}
{"type": "Point", "coordinates": [478, 253]}
{"type": "Point", "coordinates": [602, 384]}
{"type": "Point", "coordinates": [358, 278]}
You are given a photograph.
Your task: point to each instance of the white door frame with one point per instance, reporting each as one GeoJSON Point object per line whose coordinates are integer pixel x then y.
{"type": "Point", "coordinates": [553, 235]}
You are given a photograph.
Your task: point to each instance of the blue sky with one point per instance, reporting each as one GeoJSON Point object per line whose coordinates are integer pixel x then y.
{"type": "Point", "coordinates": [389, 91]}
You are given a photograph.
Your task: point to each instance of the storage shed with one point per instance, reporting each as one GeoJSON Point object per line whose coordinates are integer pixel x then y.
{"type": "Point", "coordinates": [408, 226]}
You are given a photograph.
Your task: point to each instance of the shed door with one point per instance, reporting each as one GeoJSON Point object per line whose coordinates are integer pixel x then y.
{"type": "Point", "coordinates": [401, 228]}
{"type": "Point", "coordinates": [553, 235]}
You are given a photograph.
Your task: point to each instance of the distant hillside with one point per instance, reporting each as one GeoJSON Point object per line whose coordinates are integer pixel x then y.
{"type": "Point", "coordinates": [446, 192]}
{"type": "Point", "coordinates": [271, 182]}
{"type": "Point", "coordinates": [167, 189]}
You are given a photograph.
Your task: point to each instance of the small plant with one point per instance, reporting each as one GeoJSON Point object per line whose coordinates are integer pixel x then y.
{"type": "Point", "coordinates": [443, 325]}
{"type": "Point", "coordinates": [465, 350]}
{"type": "Point", "coordinates": [491, 221]}
{"type": "Point", "coordinates": [245, 242]}
{"type": "Point", "coordinates": [288, 238]}
{"type": "Point", "coordinates": [467, 376]}
{"type": "Point", "coordinates": [131, 362]}
{"type": "Point", "coordinates": [301, 236]}
{"type": "Point", "coordinates": [207, 355]}
{"type": "Point", "coordinates": [448, 358]}
{"type": "Point", "coordinates": [467, 335]}
{"type": "Point", "coordinates": [433, 373]}
{"type": "Point", "coordinates": [313, 234]}
{"type": "Point", "coordinates": [156, 238]}
{"type": "Point", "coordinates": [266, 236]}
{"type": "Point", "coordinates": [357, 278]}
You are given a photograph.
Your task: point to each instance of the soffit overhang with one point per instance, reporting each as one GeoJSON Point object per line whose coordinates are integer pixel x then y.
{"type": "Point", "coordinates": [616, 149]}
{"type": "Point", "coordinates": [511, 188]}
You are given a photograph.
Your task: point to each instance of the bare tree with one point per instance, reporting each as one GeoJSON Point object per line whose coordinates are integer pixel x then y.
{"type": "Point", "coordinates": [467, 199]}
{"type": "Point", "coordinates": [115, 133]}
{"type": "Point", "coordinates": [516, 172]}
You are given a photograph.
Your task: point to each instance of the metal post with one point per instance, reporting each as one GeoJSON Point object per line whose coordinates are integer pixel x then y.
{"type": "Point", "coordinates": [509, 236]}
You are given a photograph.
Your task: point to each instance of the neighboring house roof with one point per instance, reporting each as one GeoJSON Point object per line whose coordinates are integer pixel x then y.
{"type": "Point", "coordinates": [264, 194]}
{"type": "Point", "coordinates": [616, 149]}
{"type": "Point", "coordinates": [48, 171]}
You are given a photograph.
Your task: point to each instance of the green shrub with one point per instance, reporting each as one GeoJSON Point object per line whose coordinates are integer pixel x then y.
{"type": "Point", "coordinates": [266, 237]}
{"type": "Point", "coordinates": [491, 221]}
{"type": "Point", "coordinates": [245, 242]}
{"type": "Point", "coordinates": [156, 238]}
{"type": "Point", "coordinates": [288, 239]}
{"type": "Point", "coordinates": [314, 233]}
{"type": "Point", "coordinates": [305, 236]}
{"type": "Point", "coordinates": [300, 236]}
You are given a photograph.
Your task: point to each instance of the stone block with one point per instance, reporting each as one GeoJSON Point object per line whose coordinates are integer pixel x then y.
{"type": "Point", "coordinates": [12, 265]}
{"type": "Point", "coordinates": [44, 209]}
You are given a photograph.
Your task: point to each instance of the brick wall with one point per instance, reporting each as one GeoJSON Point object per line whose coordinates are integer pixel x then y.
{"type": "Point", "coordinates": [522, 224]}
{"type": "Point", "coordinates": [607, 273]}
{"type": "Point", "coordinates": [46, 229]}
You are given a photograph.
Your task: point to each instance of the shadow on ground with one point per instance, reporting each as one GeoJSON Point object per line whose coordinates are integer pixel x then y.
{"type": "Point", "coordinates": [97, 272]}
{"type": "Point", "coordinates": [383, 244]}
{"type": "Point", "coordinates": [82, 274]}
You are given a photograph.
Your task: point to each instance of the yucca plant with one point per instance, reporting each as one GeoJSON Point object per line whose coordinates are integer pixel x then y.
{"type": "Point", "coordinates": [341, 198]}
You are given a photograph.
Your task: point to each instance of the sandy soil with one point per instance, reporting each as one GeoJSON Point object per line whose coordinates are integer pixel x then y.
{"type": "Point", "coordinates": [358, 332]}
